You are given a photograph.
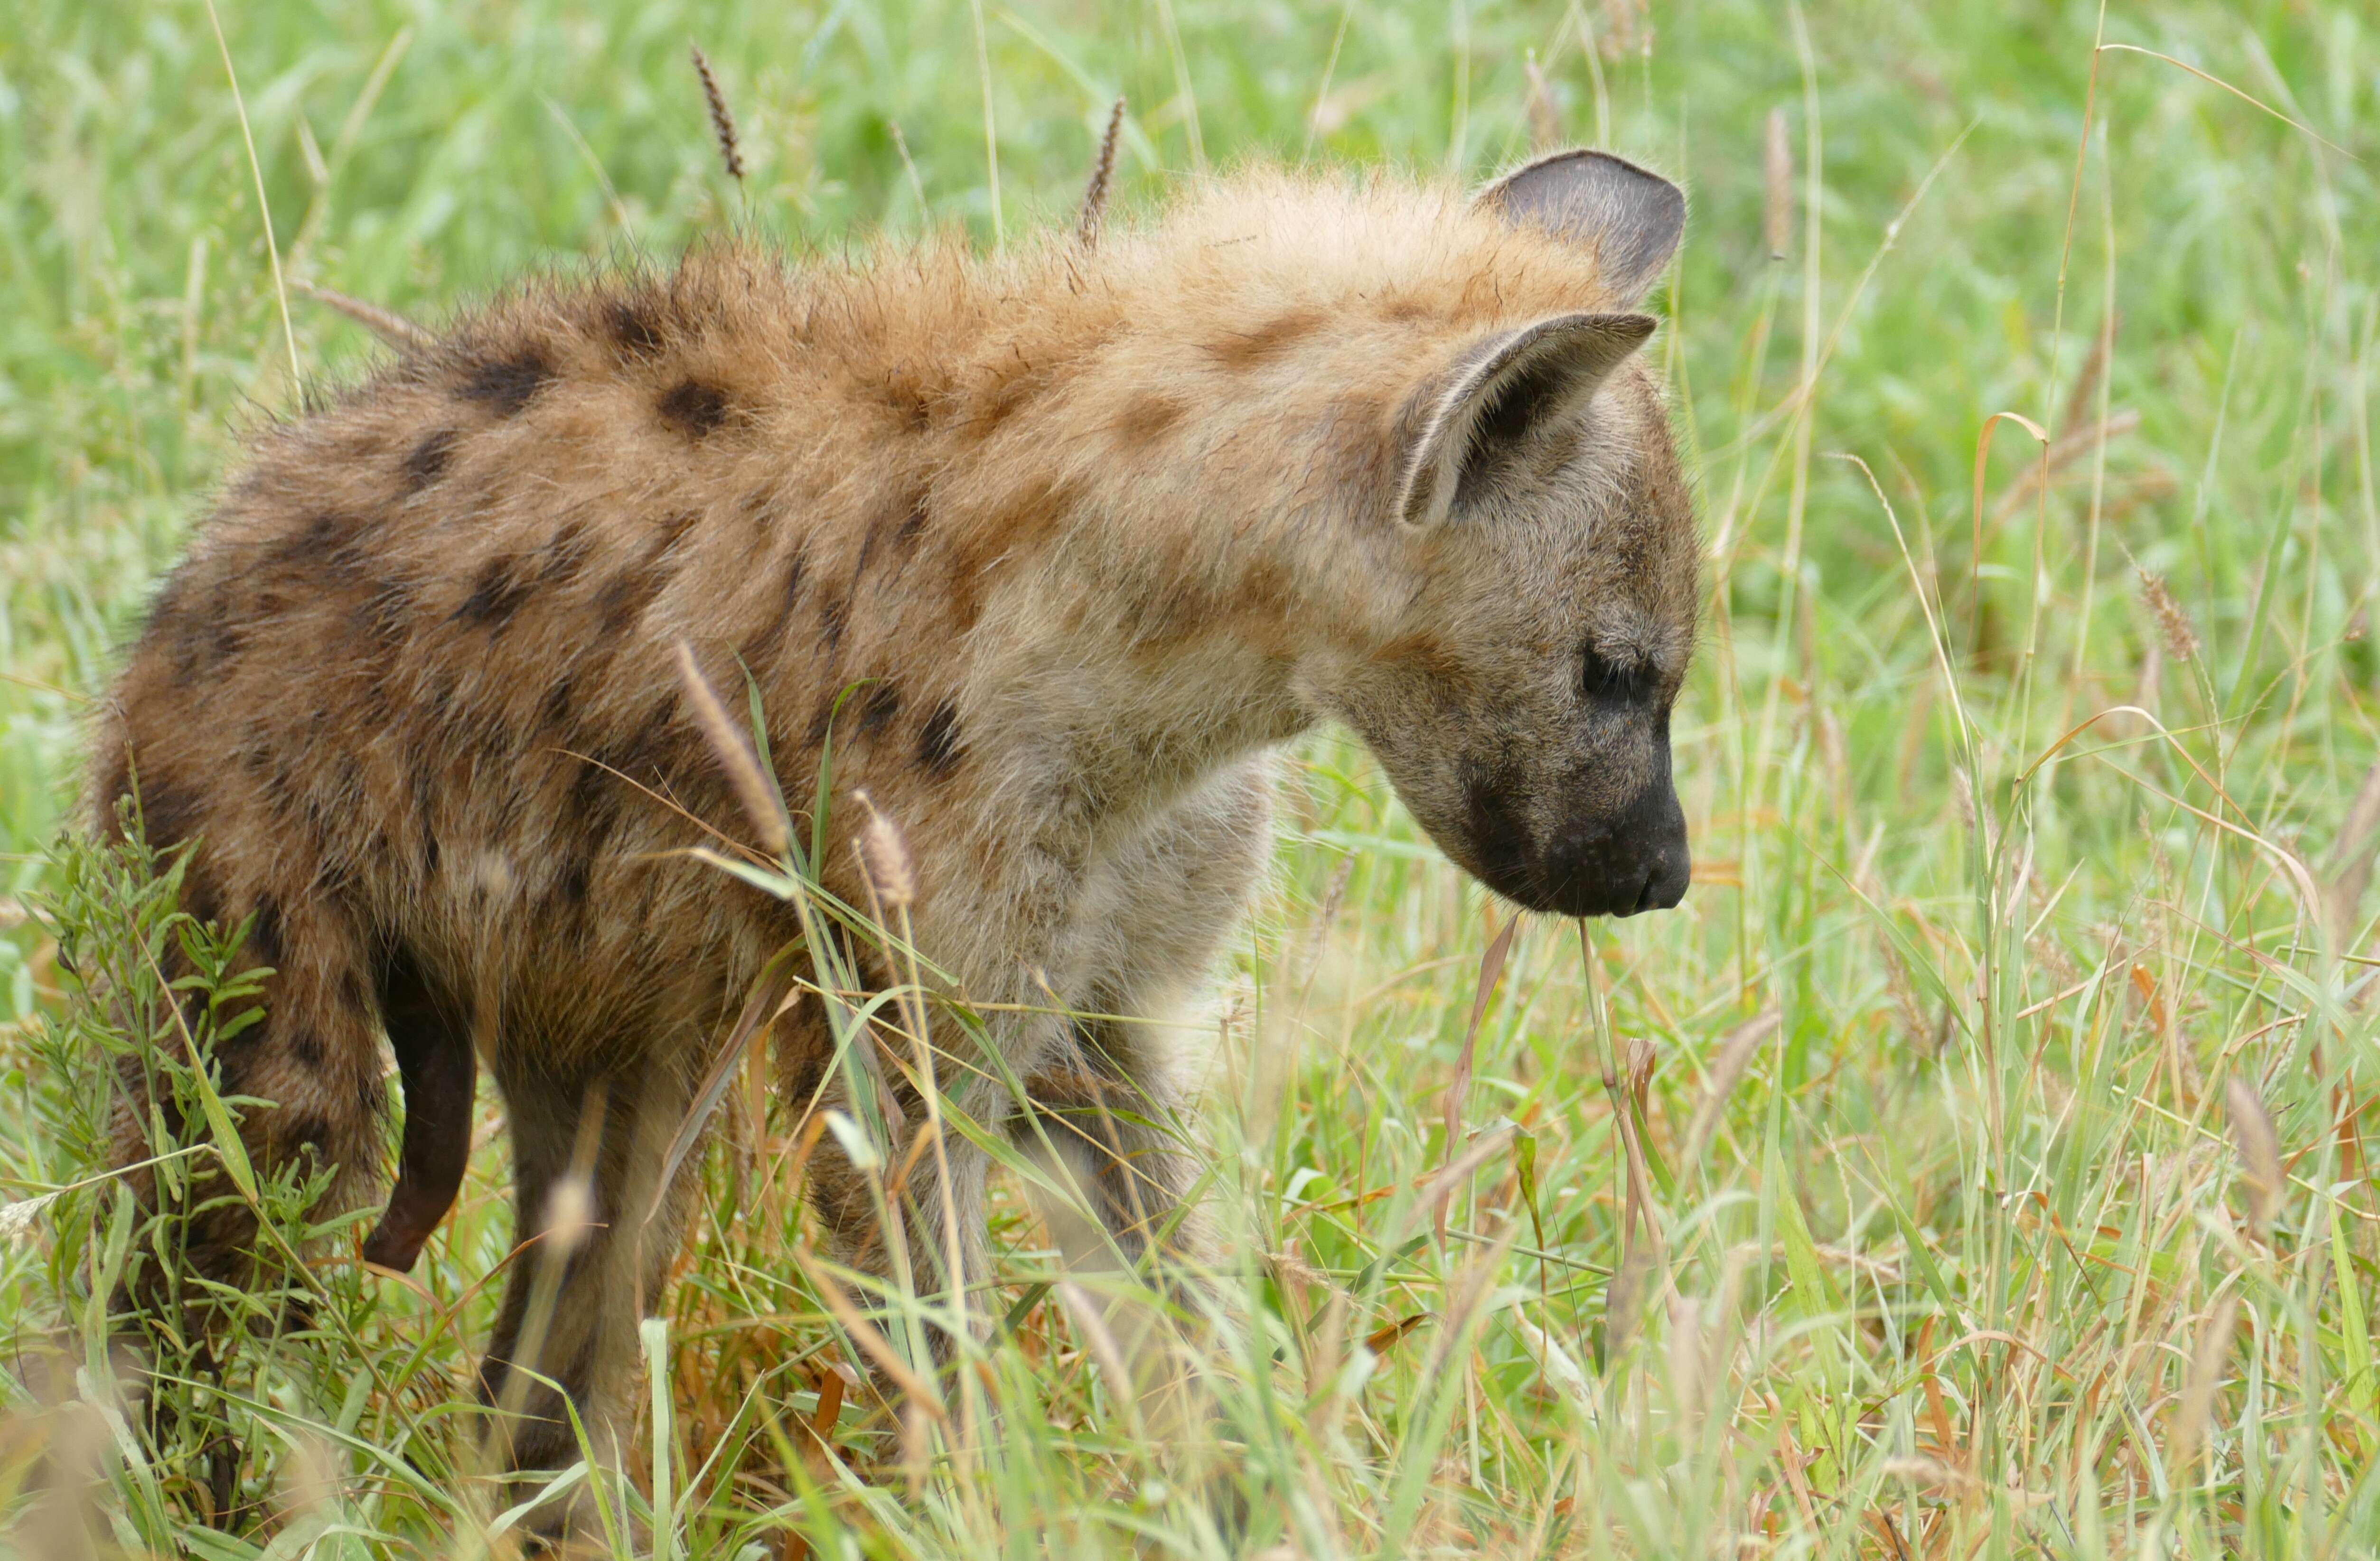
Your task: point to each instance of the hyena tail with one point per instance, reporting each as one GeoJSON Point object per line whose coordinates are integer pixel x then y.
{"type": "Point", "coordinates": [315, 1059]}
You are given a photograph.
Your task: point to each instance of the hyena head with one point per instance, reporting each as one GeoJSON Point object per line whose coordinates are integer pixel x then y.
{"type": "Point", "coordinates": [1521, 701]}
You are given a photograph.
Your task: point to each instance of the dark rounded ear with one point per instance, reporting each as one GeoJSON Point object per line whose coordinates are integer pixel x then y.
{"type": "Point", "coordinates": [1500, 392]}
{"type": "Point", "coordinates": [1631, 219]}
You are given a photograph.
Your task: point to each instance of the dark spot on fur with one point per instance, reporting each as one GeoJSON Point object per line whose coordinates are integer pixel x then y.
{"type": "Point", "coordinates": [169, 815]}
{"type": "Point", "coordinates": [694, 407]}
{"type": "Point", "coordinates": [832, 618]}
{"type": "Point", "coordinates": [332, 542]}
{"type": "Point", "coordinates": [307, 1047]}
{"type": "Point", "coordinates": [572, 884]}
{"type": "Point", "coordinates": [911, 401]}
{"type": "Point", "coordinates": [294, 1128]}
{"type": "Point", "coordinates": [633, 330]}
{"type": "Point", "coordinates": [823, 722]}
{"type": "Point", "coordinates": [501, 586]}
{"type": "Point", "coordinates": [554, 708]}
{"type": "Point", "coordinates": [623, 601]}
{"type": "Point", "coordinates": [768, 642]}
{"type": "Point", "coordinates": [1145, 419]}
{"type": "Point", "coordinates": [385, 607]}
{"type": "Point", "coordinates": [938, 740]}
{"type": "Point", "coordinates": [912, 524]}
{"type": "Point", "coordinates": [565, 556]}
{"type": "Point", "coordinates": [878, 707]}
{"type": "Point", "coordinates": [264, 933]}
{"type": "Point", "coordinates": [426, 463]}
{"type": "Point", "coordinates": [506, 384]}
{"type": "Point", "coordinates": [1245, 349]}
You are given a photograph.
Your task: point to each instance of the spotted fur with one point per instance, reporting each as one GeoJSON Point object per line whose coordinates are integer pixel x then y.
{"type": "Point", "coordinates": [1076, 538]}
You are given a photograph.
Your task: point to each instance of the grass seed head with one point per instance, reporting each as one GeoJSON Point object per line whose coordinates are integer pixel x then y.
{"type": "Point", "coordinates": [723, 123]}
{"type": "Point", "coordinates": [884, 857]}
{"type": "Point", "coordinates": [1102, 180]}
{"type": "Point", "coordinates": [569, 1216]}
{"type": "Point", "coordinates": [2173, 624]}
{"type": "Point", "coordinates": [753, 787]}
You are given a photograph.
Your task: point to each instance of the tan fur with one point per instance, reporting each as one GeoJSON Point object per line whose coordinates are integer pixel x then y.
{"type": "Point", "coordinates": [1086, 535]}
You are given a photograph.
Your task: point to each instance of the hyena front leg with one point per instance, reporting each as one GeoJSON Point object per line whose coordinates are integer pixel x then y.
{"type": "Point", "coordinates": [594, 1247]}
{"type": "Point", "coordinates": [1114, 1096]}
{"type": "Point", "coordinates": [1117, 1122]}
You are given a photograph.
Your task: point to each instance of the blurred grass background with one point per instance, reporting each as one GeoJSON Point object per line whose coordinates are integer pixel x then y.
{"type": "Point", "coordinates": [1966, 1260]}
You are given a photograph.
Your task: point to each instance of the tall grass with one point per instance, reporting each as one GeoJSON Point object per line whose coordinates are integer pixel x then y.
{"type": "Point", "coordinates": [1975, 1165]}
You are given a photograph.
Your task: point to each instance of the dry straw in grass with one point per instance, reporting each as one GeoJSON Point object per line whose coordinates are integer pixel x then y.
{"type": "Point", "coordinates": [723, 123]}
{"type": "Point", "coordinates": [390, 327]}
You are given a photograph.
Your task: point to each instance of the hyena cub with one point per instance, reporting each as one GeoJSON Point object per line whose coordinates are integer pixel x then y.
{"type": "Point", "coordinates": [1061, 547]}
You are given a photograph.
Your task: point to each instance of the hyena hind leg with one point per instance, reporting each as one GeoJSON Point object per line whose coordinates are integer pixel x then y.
{"type": "Point", "coordinates": [591, 1263]}
{"type": "Point", "coordinates": [313, 1061]}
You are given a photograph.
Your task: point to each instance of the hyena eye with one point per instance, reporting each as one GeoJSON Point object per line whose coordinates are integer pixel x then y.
{"type": "Point", "coordinates": [1606, 679]}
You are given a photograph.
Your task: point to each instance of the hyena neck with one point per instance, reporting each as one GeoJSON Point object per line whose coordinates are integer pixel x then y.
{"type": "Point", "coordinates": [1123, 729]}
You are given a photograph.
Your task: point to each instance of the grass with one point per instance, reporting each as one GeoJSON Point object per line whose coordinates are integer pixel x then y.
{"type": "Point", "coordinates": [1908, 1193]}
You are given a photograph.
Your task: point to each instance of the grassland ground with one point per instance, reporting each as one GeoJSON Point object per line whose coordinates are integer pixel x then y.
{"type": "Point", "coordinates": [1978, 1164]}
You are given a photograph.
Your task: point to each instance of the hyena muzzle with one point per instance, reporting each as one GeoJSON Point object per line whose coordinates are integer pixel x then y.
{"type": "Point", "coordinates": [1053, 549]}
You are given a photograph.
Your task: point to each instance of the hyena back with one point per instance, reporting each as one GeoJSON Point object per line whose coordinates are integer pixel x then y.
{"type": "Point", "coordinates": [1075, 539]}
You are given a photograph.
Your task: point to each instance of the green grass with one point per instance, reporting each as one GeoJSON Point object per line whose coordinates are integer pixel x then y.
{"type": "Point", "coordinates": [1967, 1265]}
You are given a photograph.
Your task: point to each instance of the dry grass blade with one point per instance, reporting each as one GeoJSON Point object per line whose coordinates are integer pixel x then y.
{"type": "Point", "coordinates": [872, 1343]}
{"type": "Point", "coordinates": [1387, 1336]}
{"type": "Point", "coordinates": [1095, 193]}
{"type": "Point", "coordinates": [2260, 1151]}
{"type": "Point", "coordinates": [1734, 1056]}
{"type": "Point", "coordinates": [1491, 971]}
{"type": "Point", "coordinates": [1442, 1186]}
{"type": "Point", "coordinates": [390, 327]}
{"type": "Point", "coordinates": [753, 787]}
{"type": "Point", "coordinates": [1101, 1342]}
{"type": "Point", "coordinates": [1545, 118]}
{"type": "Point", "coordinates": [2086, 382]}
{"type": "Point", "coordinates": [2350, 860]}
{"type": "Point", "coordinates": [2197, 1407]}
{"type": "Point", "coordinates": [2069, 448]}
{"type": "Point", "coordinates": [723, 123]}
{"type": "Point", "coordinates": [1777, 168]}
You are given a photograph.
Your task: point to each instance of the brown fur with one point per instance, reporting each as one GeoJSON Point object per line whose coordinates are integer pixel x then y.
{"type": "Point", "coordinates": [1092, 531]}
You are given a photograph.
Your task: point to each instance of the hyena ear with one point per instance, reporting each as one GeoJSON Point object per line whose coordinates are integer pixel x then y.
{"type": "Point", "coordinates": [1631, 219]}
{"type": "Point", "coordinates": [1501, 392]}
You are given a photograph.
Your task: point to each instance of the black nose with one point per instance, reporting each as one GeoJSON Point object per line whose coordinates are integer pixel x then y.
{"type": "Point", "coordinates": [1665, 882]}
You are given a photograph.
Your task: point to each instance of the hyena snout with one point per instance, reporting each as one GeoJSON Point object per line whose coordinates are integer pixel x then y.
{"type": "Point", "coordinates": [1590, 860]}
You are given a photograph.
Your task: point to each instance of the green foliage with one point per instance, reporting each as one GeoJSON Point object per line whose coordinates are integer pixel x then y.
{"type": "Point", "coordinates": [1880, 1201]}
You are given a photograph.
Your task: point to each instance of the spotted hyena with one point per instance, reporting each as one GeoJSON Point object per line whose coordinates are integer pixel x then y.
{"type": "Point", "coordinates": [1060, 546]}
